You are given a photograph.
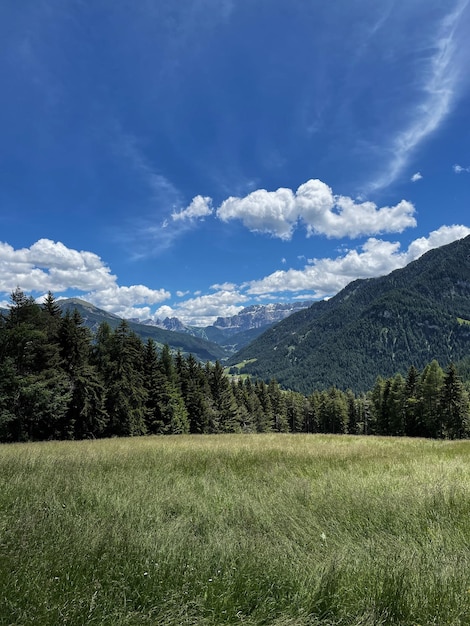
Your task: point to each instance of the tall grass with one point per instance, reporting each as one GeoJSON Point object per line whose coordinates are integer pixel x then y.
{"type": "Point", "coordinates": [284, 530]}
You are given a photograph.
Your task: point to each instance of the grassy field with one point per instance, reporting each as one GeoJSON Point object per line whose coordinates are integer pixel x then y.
{"type": "Point", "coordinates": [284, 530]}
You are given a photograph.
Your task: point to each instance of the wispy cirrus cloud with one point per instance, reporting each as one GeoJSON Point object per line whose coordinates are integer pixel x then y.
{"type": "Point", "coordinates": [441, 86]}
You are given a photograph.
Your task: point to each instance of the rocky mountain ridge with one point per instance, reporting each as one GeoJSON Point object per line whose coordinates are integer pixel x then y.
{"type": "Point", "coordinates": [251, 317]}
{"type": "Point", "coordinates": [226, 335]}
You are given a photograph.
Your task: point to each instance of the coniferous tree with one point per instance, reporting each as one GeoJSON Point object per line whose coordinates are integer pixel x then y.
{"type": "Point", "coordinates": [38, 385]}
{"type": "Point", "coordinates": [332, 411]}
{"type": "Point", "coordinates": [353, 413]}
{"type": "Point", "coordinates": [263, 417]}
{"type": "Point", "coordinates": [309, 424]}
{"type": "Point", "coordinates": [382, 415]}
{"type": "Point", "coordinates": [227, 416]}
{"type": "Point", "coordinates": [396, 409]}
{"type": "Point", "coordinates": [86, 415]}
{"type": "Point", "coordinates": [196, 395]}
{"type": "Point", "coordinates": [154, 382]}
{"type": "Point", "coordinates": [240, 395]}
{"type": "Point", "coordinates": [250, 407]}
{"type": "Point", "coordinates": [316, 399]}
{"type": "Point", "coordinates": [278, 407]}
{"type": "Point", "coordinates": [126, 398]}
{"type": "Point", "coordinates": [412, 406]}
{"type": "Point", "coordinates": [294, 411]}
{"type": "Point", "coordinates": [454, 404]}
{"type": "Point", "coordinates": [431, 383]}
{"type": "Point", "coordinates": [375, 404]}
{"type": "Point", "coordinates": [173, 411]}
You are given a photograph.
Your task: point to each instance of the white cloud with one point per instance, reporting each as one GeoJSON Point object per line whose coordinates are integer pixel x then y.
{"type": "Point", "coordinates": [199, 207]}
{"type": "Point", "coordinates": [224, 287]}
{"type": "Point", "coordinates": [416, 177]}
{"type": "Point", "coordinates": [441, 81]}
{"type": "Point", "coordinates": [272, 212]}
{"type": "Point", "coordinates": [119, 299]}
{"type": "Point", "coordinates": [49, 265]}
{"type": "Point", "coordinates": [319, 278]}
{"type": "Point", "coordinates": [376, 257]}
{"type": "Point", "coordinates": [313, 204]}
{"type": "Point", "coordinates": [35, 269]}
{"type": "Point", "coordinates": [203, 310]}
{"type": "Point", "coordinates": [437, 238]}
{"type": "Point", "coordinates": [458, 169]}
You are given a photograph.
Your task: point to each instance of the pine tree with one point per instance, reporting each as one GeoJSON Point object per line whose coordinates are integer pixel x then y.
{"type": "Point", "coordinates": [431, 383]}
{"type": "Point", "coordinates": [86, 415]}
{"type": "Point", "coordinates": [353, 413]}
{"type": "Point", "coordinates": [455, 409]}
{"type": "Point", "coordinates": [240, 395]}
{"type": "Point", "coordinates": [396, 406]}
{"type": "Point", "coordinates": [332, 411]}
{"type": "Point", "coordinates": [412, 406]}
{"type": "Point", "coordinates": [196, 395]}
{"type": "Point", "coordinates": [375, 404]}
{"type": "Point", "coordinates": [227, 417]}
{"type": "Point", "coordinates": [280, 422]}
{"type": "Point", "coordinates": [294, 411]}
{"type": "Point", "coordinates": [263, 417]}
{"type": "Point", "coordinates": [38, 384]}
{"type": "Point", "coordinates": [124, 379]}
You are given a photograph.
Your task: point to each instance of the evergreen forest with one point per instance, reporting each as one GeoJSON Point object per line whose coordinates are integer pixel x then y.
{"type": "Point", "coordinates": [58, 380]}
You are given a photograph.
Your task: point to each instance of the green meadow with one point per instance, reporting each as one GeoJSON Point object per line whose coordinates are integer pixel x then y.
{"type": "Point", "coordinates": [283, 530]}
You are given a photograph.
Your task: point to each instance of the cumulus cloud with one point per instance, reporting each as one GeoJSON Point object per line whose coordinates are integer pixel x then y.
{"type": "Point", "coordinates": [272, 212]}
{"type": "Point", "coordinates": [200, 207]}
{"type": "Point", "coordinates": [203, 310]}
{"type": "Point", "coordinates": [49, 265]}
{"type": "Point", "coordinates": [323, 277]}
{"type": "Point", "coordinates": [319, 278]}
{"type": "Point", "coordinates": [123, 300]}
{"type": "Point", "coordinates": [458, 169]}
{"type": "Point", "coordinates": [416, 177]}
{"type": "Point", "coordinates": [313, 204]}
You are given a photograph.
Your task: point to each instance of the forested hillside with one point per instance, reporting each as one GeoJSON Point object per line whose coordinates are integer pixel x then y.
{"type": "Point", "coordinates": [58, 381]}
{"type": "Point", "coordinates": [202, 348]}
{"type": "Point", "coordinates": [374, 326]}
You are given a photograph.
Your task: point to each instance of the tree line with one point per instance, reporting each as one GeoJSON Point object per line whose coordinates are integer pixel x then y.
{"type": "Point", "coordinates": [58, 380]}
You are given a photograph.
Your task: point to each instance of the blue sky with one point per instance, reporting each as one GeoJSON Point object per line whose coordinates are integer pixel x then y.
{"type": "Point", "coordinates": [189, 158]}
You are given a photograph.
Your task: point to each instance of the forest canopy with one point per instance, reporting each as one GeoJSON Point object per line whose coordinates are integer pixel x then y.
{"type": "Point", "coordinates": [60, 381]}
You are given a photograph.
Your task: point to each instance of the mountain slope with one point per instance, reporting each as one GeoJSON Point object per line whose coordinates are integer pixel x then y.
{"type": "Point", "coordinates": [236, 331]}
{"type": "Point", "coordinates": [200, 348]}
{"type": "Point", "coordinates": [374, 326]}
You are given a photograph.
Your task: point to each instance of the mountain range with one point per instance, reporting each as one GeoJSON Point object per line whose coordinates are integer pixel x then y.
{"type": "Point", "coordinates": [235, 331]}
{"type": "Point", "coordinates": [218, 341]}
{"type": "Point", "coordinates": [375, 326]}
